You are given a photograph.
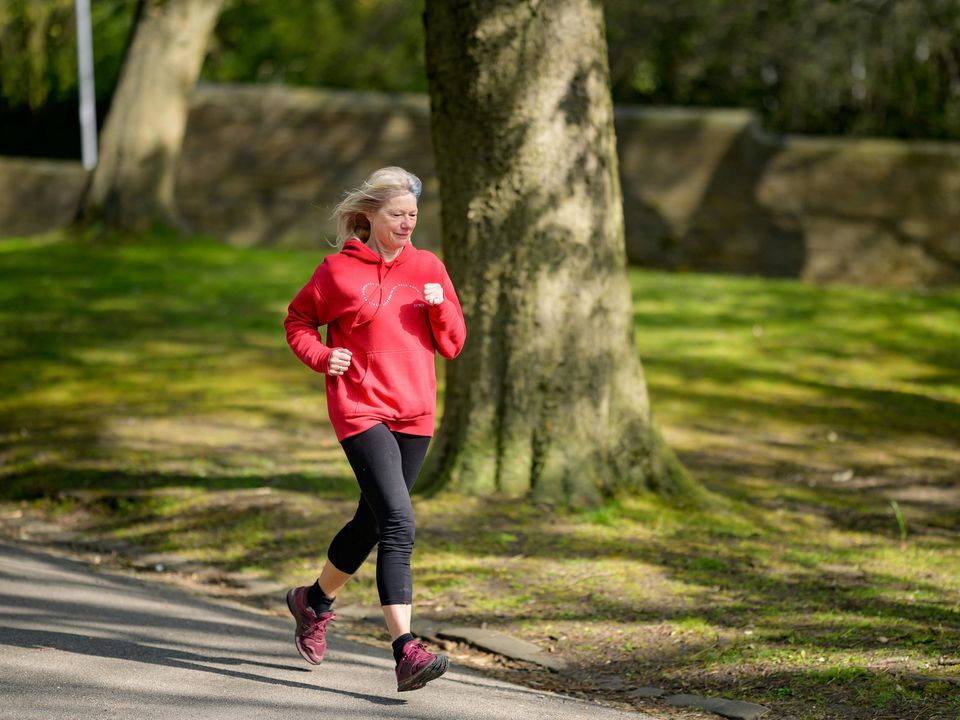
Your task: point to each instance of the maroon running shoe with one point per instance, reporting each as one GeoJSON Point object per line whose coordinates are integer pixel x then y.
{"type": "Point", "coordinates": [311, 633]}
{"type": "Point", "coordinates": [417, 667]}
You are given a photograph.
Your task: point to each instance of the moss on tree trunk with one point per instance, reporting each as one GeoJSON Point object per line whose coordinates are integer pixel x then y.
{"type": "Point", "coordinates": [548, 398]}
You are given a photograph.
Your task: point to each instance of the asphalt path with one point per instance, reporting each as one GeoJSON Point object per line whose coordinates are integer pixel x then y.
{"type": "Point", "coordinates": [80, 643]}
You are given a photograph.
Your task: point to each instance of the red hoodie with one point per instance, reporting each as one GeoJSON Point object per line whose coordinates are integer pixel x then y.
{"type": "Point", "coordinates": [376, 310]}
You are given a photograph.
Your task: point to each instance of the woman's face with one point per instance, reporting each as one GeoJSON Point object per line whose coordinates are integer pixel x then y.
{"type": "Point", "coordinates": [392, 225]}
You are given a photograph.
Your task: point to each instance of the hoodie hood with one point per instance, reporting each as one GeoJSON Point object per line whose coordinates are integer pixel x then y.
{"type": "Point", "coordinates": [354, 248]}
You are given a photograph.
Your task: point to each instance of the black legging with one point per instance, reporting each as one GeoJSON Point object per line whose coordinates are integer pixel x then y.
{"type": "Point", "coordinates": [386, 464]}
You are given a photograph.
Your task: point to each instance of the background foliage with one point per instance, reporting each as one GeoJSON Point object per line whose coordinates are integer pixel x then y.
{"type": "Point", "coordinates": [848, 67]}
{"type": "Point", "coordinates": [38, 71]}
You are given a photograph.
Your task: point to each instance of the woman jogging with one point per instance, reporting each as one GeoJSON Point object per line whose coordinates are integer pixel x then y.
{"type": "Point", "coordinates": [388, 308]}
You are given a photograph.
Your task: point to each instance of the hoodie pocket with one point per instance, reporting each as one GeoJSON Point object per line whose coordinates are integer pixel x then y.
{"type": "Point", "coordinates": [398, 384]}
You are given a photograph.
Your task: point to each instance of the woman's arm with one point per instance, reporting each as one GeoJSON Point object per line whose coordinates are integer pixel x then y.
{"type": "Point", "coordinates": [446, 321]}
{"type": "Point", "coordinates": [306, 314]}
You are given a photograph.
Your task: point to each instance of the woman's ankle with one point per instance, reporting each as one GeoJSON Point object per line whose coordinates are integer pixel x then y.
{"type": "Point", "coordinates": [319, 600]}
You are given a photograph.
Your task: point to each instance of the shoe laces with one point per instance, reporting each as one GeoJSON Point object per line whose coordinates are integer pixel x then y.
{"type": "Point", "coordinates": [417, 652]}
{"type": "Point", "coordinates": [320, 625]}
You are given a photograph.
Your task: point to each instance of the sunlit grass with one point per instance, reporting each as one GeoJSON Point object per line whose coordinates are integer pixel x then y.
{"type": "Point", "coordinates": [147, 395]}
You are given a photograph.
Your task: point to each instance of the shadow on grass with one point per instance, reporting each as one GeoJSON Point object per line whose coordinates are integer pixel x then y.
{"type": "Point", "coordinates": [797, 693]}
{"type": "Point", "coordinates": [98, 331]}
{"type": "Point", "coordinates": [53, 481]}
{"type": "Point", "coordinates": [842, 406]}
{"type": "Point", "coordinates": [834, 322]}
{"type": "Point", "coordinates": [746, 590]}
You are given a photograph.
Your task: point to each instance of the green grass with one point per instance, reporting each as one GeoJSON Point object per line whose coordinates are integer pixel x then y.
{"type": "Point", "coordinates": [147, 395]}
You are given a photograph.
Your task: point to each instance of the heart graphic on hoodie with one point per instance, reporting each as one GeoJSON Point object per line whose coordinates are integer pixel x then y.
{"type": "Point", "coordinates": [369, 301]}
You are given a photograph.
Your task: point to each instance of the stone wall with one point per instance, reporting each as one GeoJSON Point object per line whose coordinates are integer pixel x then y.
{"type": "Point", "coordinates": [38, 195]}
{"type": "Point", "coordinates": [708, 190]}
{"type": "Point", "coordinates": [703, 189]}
{"type": "Point", "coordinates": [266, 165]}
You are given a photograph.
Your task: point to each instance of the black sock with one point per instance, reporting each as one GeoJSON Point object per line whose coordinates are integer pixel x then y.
{"type": "Point", "coordinates": [317, 600]}
{"type": "Point", "coordinates": [398, 646]}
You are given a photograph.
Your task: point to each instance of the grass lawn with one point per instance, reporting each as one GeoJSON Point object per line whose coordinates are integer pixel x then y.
{"type": "Point", "coordinates": [147, 395]}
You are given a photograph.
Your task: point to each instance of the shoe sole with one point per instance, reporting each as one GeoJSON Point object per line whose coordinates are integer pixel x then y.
{"type": "Point", "coordinates": [296, 639]}
{"type": "Point", "coordinates": [431, 672]}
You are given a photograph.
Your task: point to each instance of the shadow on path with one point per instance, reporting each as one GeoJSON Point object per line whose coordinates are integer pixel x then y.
{"type": "Point", "coordinates": [167, 657]}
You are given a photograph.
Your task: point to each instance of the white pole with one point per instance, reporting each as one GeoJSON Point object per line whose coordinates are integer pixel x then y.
{"type": "Point", "coordinates": [88, 106]}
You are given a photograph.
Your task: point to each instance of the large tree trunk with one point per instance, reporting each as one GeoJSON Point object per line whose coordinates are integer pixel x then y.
{"type": "Point", "coordinates": [548, 397]}
{"type": "Point", "coordinates": [133, 183]}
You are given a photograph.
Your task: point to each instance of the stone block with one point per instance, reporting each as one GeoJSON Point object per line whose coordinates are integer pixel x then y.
{"type": "Point", "coordinates": [501, 644]}
{"type": "Point", "coordinates": [733, 709]}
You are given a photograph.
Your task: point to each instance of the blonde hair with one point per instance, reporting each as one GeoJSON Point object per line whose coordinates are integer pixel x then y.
{"type": "Point", "coordinates": [385, 184]}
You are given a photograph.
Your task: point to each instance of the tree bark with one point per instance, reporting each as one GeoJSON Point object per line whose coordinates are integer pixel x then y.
{"type": "Point", "coordinates": [548, 398]}
{"type": "Point", "coordinates": [133, 183]}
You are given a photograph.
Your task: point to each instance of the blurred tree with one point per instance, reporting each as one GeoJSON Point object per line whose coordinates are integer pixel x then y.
{"type": "Point", "coordinates": [132, 186]}
{"type": "Point", "coordinates": [29, 72]}
{"type": "Point", "coordinates": [548, 397]}
{"type": "Point", "coordinates": [38, 71]}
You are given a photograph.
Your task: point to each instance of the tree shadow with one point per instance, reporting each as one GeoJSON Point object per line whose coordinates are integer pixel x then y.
{"type": "Point", "coordinates": [844, 407]}
{"type": "Point", "coordinates": [162, 350]}
{"type": "Point", "coordinates": [731, 231]}
{"type": "Point", "coordinates": [650, 240]}
{"type": "Point", "coordinates": [818, 218]}
{"type": "Point", "coordinates": [132, 629]}
{"type": "Point", "coordinates": [895, 229]}
{"type": "Point", "coordinates": [168, 657]}
{"type": "Point", "coordinates": [890, 692]}
{"type": "Point", "coordinates": [767, 578]}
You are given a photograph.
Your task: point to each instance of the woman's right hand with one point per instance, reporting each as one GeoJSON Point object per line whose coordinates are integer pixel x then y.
{"type": "Point", "coordinates": [339, 361]}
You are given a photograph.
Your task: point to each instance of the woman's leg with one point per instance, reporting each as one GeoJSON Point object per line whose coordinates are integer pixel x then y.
{"type": "Point", "coordinates": [413, 449]}
{"type": "Point", "coordinates": [378, 463]}
{"type": "Point", "coordinates": [386, 465]}
{"type": "Point", "coordinates": [349, 549]}
{"type": "Point", "coordinates": [351, 546]}
{"type": "Point", "coordinates": [397, 618]}
{"type": "Point", "coordinates": [331, 580]}
{"type": "Point", "coordinates": [416, 666]}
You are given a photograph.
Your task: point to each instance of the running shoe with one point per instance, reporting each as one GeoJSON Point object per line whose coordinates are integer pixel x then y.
{"type": "Point", "coordinates": [417, 667]}
{"type": "Point", "coordinates": [311, 633]}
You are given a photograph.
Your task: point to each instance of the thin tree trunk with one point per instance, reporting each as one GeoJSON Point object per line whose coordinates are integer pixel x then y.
{"type": "Point", "coordinates": [548, 398]}
{"type": "Point", "coordinates": [133, 184]}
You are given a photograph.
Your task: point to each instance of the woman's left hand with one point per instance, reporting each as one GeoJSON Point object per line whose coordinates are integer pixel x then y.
{"type": "Point", "coordinates": [433, 293]}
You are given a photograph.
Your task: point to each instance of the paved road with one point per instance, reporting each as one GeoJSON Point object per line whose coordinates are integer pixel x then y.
{"type": "Point", "coordinates": [75, 643]}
